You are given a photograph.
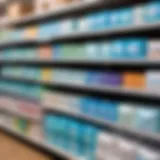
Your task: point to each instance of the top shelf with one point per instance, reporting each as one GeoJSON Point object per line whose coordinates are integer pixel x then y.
{"type": "Point", "coordinates": [72, 9]}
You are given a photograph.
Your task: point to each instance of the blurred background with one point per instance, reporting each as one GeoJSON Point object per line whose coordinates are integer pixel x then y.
{"type": "Point", "coordinates": [80, 79]}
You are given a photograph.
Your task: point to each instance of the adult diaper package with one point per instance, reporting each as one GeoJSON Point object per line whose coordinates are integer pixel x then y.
{"type": "Point", "coordinates": [127, 113]}
{"type": "Point", "coordinates": [134, 80]}
{"type": "Point", "coordinates": [98, 20]}
{"type": "Point", "coordinates": [152, 81]}
{"type": "Point", "coordinates": [108, 78]}
{"type": "Point", "coordinates": [154, 50]}
{"type": "Point", "coordinates": [151, 12]}
{"type": "Point", "coordinates": [107, 146]}
{"type": "Point", "coordinates": [127, 149]}
{"type": "Point", "coordinates": [147, 119]}
{"type": "Point", "coordinates": [45, 52]}
{"type": "Point", "coordinates": [144, 153]}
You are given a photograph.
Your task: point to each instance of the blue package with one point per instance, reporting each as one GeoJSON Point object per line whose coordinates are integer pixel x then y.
{"type": "Point", "coordinates": [109, 110]}
{"type": "Point", "coordinates": [135, 48]}
{"type": "Point", "coordinates": [105, 51]}
{"type": "Point", "coordinates": [84, 105]}
{"type": "Point", "coordinates": [93, 106]}
{"type": "Point", "coordinates": [103, 109]}
{"type": "Point", "coordinates": [118, 49]}
{"type": "Point", "coordinates": [151, 12]}
{"type": "Point", "coordinates": [112, 111]}
{"type": "Point", "coordinates": [92, 77]}
{"type": "Point", "coordinates": [126, 17]}
{"type": "Point", "coordinates": [47, 30]}
{"type": "Point", "coordinates": [98, 21]}
{"type": "Point", "coordinates": [57, 52]}
{"type": "Point", "coordinates": [147, 119]}
{"type": "Point", "coordinates": [114, 19]}
{"type": "Point", "coordinates": [92, 50]}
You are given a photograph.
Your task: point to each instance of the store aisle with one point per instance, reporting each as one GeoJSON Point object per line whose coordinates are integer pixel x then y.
{"type": "Point", "coordinates": [11, 149]}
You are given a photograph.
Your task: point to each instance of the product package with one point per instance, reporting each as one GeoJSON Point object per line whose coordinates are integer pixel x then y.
{"type": "Point", "coordinates": [127, 114]}
{"type": "Point", "coordinates": [134, 80]}
{"type": "Point", "coordinates": [147, 119]}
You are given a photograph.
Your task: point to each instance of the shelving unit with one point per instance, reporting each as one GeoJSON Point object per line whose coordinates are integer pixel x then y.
{"type": "Point", "coordinates": [147, 95]}
{"type": "Point", "coordinates": [115, 128]}
{"type": "Point", "coordinates": [78, 8]}
{"type": "Point", "coordinates": [87, 35]}
{"type": "Point", "coordinates": [143, 63]}
{"type": "Point", "coordinates": [40, 144]}
{"type": "Point", "coordinates": [21, 115]}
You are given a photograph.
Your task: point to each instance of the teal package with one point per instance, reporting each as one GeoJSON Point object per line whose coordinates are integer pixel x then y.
{"type": "Point", "coordinates": [54, 120]}
{"type": "Point", "coordinates": [90, 135]}
{"type": "Point", "coordinates": [90, 140]}
{"type": "Point", "coordinates": [48, 128]}
{"type": "Point", "coordinates": [55, 130]}
{"type": "Point", "coordinates": [67, 143]}
{"type": "Point", "coordinates": [61, 126]}
{"type": "Point", "coordinates": [64, 133]}
{"type": "Point", "coordinates": [73, 129]}
{"type": "Point", "coordinates": [151, 12]}
{"type": "Point", "coordinates": [135, 48]}
{"type": "Point", "coordinates": [7, 54]}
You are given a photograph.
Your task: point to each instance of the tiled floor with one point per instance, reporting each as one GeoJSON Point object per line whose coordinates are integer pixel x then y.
{"type": "Point", "coordinates": [11, 149]}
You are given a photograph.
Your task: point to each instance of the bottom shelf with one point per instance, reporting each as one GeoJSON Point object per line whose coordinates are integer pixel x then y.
{"type": "Point", "coordinates": [39, 143]}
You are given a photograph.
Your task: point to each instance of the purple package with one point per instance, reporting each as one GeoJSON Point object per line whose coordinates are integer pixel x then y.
{"type": "Point", "coordinates": [110, 78]}
{"type": "Point", "coordinates": [104, 78]}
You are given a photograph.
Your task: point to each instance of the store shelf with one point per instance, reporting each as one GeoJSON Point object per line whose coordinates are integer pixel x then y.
{"type": "Point", "coordinates": [136, 63]}
{"type": "Point", "coordinates": [107, 32]}
{"type": "Point", "coordinates": [18, 96]}
{"type": "Point", "coordinates": [77, 7]}
{"type": "Point", "coordinates": [137, 135]}
{"type": "Point", "coordinates": [139, 94]}
{"type": "Point", "coordinates": [87, 34]}
{"type": "Point", "coordinates": [21, 114]}
{"type": "Point", "coordinates": [39, 143]}
{"type": "Point", "coordinates": [19, 42]}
